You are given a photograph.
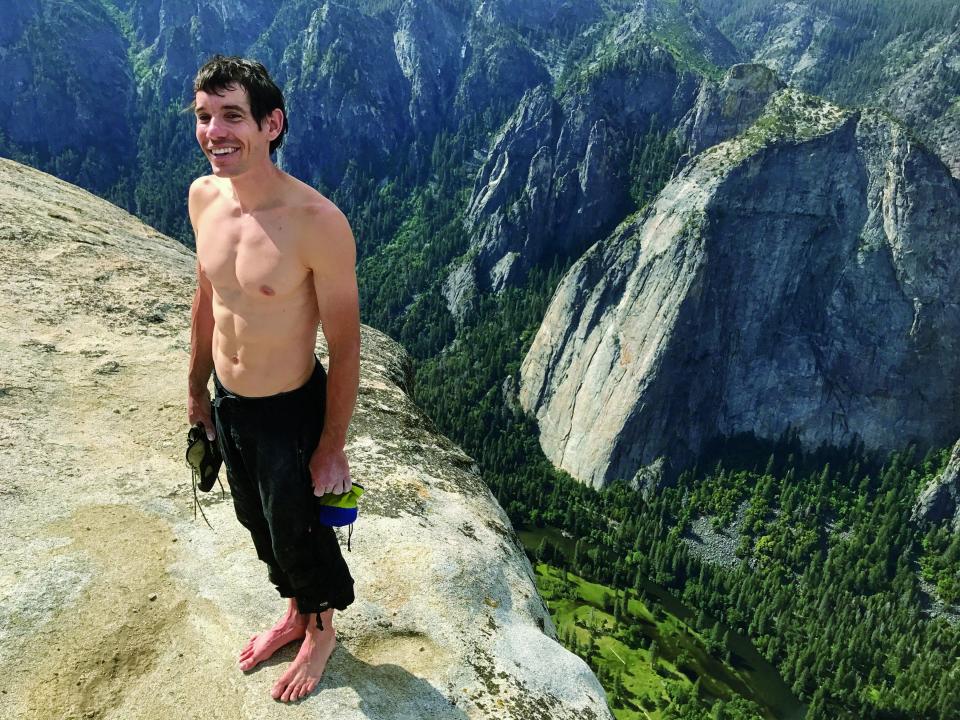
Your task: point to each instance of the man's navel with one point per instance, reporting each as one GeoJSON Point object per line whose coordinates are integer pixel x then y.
{"type": "Point", "coordinates": [267, 290]}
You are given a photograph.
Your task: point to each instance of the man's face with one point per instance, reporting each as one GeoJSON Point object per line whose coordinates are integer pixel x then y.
{"type": "Point", "coordinates": [228, 134]}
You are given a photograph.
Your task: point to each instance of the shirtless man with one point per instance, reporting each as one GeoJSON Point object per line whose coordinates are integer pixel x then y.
{"type": "Point", "coordinates": [274, 259]}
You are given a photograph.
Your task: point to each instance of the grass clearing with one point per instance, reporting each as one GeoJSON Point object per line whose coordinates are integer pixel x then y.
{"type": "Point", "coordinates": [643, 655]}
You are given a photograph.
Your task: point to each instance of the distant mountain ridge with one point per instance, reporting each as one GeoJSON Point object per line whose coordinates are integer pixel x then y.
{"type": "Point", "coordinates": [901, 55]}
{"type": "Point", "coordinates": [370, 84]}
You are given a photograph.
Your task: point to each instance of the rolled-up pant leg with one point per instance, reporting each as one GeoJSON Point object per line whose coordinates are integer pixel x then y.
{"type": "Point", "coordinates": [267, 444]}
{"type": "Point", "coordinates": [308, 553]}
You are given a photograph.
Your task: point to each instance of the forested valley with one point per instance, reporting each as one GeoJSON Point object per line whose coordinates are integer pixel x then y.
{"type": "Point", "coordinates": [834, 582]}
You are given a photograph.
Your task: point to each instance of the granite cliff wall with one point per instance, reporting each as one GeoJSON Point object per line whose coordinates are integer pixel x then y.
{"type": "Point", "coordinates": [801, 275]}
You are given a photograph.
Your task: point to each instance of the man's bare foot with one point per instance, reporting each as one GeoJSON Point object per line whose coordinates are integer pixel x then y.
{"type": "Point", "coordinates": [292, 626]}
{"type": "Point", "coordinates": [307, 668]}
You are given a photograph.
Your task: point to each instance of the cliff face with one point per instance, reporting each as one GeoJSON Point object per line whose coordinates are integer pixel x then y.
{"type": "Point", "coordinates": [172, 38]}
{"type": "Point", "coordinates": [556, 177]}
{"type": "Point", "coordinates": [430, 61]}
{"type": "Point", "coordinates": [940, 499]}
{"type": "Point", "coordinates": [119, 604]}
{"type": "Point", "coordinates": [344, 110]}
{"type": "Point", "coordinates": [802, 275]}
{"type": "Point", "coordinates": [927, 95]}
{"type": "Point", "coordinates": [726, 109]}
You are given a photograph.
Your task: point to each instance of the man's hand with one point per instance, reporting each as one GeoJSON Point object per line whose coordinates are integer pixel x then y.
{"type": "Point", "coordinates": [199, 411]}
{"type": "Point", "coordinates": [329, 471]}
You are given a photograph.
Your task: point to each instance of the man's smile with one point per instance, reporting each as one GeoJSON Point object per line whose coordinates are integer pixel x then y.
{"type": "Point", "coordinates": [222, 151]}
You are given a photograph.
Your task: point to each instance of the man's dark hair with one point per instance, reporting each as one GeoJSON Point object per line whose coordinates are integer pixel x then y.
{"type": "Point", "coordinates": [222, 72]}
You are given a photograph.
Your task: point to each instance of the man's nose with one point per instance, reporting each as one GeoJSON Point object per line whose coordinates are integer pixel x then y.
{"type": "Point", "coordinates": [216, 129]}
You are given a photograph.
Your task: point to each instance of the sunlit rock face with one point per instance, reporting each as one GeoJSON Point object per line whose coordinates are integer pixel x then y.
{"type": "Point", "coordinates": [802, 275]}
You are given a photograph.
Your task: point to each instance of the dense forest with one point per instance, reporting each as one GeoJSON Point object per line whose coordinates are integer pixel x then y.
{"type": "Point", "coordinates": [828, 587]}
{"type": "Point", "coordinates": [831, 583]}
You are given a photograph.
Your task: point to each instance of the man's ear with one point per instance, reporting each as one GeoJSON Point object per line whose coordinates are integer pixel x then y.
{"type": "Point", "coordinates": [275, 121]}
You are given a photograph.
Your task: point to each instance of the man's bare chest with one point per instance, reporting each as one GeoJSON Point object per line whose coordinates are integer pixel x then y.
{"type": "Point", "coordinates": [254, 257]}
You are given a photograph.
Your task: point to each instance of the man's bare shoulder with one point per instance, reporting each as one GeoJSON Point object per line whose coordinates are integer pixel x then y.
{"type": "Point", "coordinates": [203, 191]}
{"type": "Point", "coordinates": [324, 235]}
{"type": "Point", "coordinates": [321, 214]}
{"type": "Point", "coordinates": [309, 204]}
{"type": "Point", "coordinates": [205, 186]}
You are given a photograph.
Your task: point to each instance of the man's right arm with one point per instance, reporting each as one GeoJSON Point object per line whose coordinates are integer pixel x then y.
{"type": "Point", "coordinates": [201, 334]}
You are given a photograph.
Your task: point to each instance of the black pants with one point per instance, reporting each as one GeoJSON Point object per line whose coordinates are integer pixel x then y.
{"type": "Point", "coordinates": [266, 444]}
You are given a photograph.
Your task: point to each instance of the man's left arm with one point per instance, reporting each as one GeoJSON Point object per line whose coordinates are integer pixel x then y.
{"type": "Point", "coordinates": [331, 255]}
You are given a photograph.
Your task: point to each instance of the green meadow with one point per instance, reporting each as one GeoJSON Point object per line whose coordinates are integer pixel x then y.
{"type": "Point", "coordinates": [653, 665]}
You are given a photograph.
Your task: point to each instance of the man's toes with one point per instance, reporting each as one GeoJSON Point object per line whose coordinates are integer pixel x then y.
{"type": "Point", "coordinates": [281, 685]}
{"type": "Point", "coordinates": [304, 691]}
{"type": "Point", "coordinates": [295, 691]}
{"type": "Point", "coordinates": [287, 693]}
